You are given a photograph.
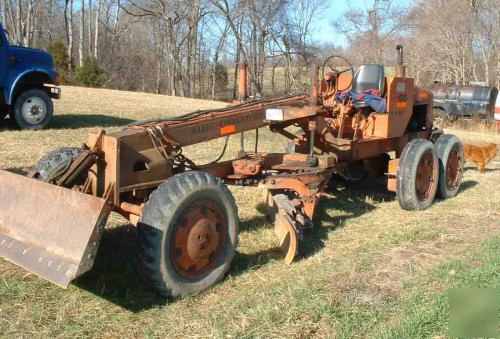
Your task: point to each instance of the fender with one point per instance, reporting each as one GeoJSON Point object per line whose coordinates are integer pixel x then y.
{"type": "Point", "coordinates": [17, 77]}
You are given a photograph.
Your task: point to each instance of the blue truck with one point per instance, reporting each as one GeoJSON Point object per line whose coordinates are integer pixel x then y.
{"type": "Point", "coordinates": [28, 83]}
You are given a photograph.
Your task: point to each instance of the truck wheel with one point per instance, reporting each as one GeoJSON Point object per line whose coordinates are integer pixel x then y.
{"type": "Point", "coordinates": [187, 234]}
{"type": "Point", "coordinates": [55, 163]}
{"type": "Point", "coordinates": [418, 174]}
{"type": "Point", "coordinates": [33, 109]}
{"type": "Point", "coordinates": [450, 153]}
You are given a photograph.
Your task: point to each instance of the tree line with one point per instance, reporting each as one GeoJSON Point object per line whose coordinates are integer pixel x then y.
{"type": "Point", "coordinates": [191, 47]}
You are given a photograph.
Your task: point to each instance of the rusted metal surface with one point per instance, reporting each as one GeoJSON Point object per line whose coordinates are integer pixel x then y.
{"type": "Point", "coordinates": [287, 236]}
{"type": "Point", "coordinates": [426, 177]}
{"type": "Point", "coordinates": [49, 230]}
{"type": "Point", "coordinates": [464, 100]}
{"type": "Point", "coordinates": [242, 82]}
{"type": "Point", "coordinates": [198, 239]}
{"type": "Point", "coordinates": [392, 174]}
{"type": "Point", "coordinates": [79, 167]}
{"type": "Point", "coordinates": [131, 208]}
{"type": "Point", "coordinates": [211, 124]}
{"type": "Point", "coordinates": [249, 167]}
{"type": "Point", "coordinates": [454, 169]}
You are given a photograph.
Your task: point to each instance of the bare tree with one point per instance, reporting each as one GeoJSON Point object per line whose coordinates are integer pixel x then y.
{"type": "Point", "coordinates": [487, 31]}
{"type": "Point", "coordinates": [373, 29]}
{"type": "Point", "coordinates": [68, 19]}
{"type": "Point", "coordinates": [96, 26]}
{"type": "Point", "coordinates": [81, 40]}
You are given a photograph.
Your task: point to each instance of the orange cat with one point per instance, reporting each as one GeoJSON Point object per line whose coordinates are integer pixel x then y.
{"type": "Point", "coordinates": [480, 155]}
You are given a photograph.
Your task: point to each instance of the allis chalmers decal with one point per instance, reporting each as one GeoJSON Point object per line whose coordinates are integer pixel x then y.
{"type": "Point", "coordinates": [228, 125]}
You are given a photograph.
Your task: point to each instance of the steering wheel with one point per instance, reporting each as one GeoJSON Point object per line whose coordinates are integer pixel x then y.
{"type": "Point", "coordinates": [336, 62]}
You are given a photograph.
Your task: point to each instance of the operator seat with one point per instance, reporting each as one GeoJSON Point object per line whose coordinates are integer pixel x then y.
{"type": "Point", "coordinates": [369, 76]}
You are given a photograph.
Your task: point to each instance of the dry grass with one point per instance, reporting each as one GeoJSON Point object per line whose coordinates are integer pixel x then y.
{"type": "Point", "coordinates": [352, 276]}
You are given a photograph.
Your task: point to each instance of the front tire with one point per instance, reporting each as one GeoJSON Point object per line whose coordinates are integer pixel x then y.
{"type": "Point", "coordinates": [33, 109]}
{"type": "Point", "coordinates": [450, 153]}
{"type": "Point", "coordinates": [55, 163]}
{"type": "Point", "coordinates": [418, 175]}
{"type": "Point", "coordinates": [187, 234]}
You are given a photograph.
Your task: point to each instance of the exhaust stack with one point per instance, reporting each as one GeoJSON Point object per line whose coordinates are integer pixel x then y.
{"type": "Point", "coordinates": [400, 68]}
{"type": "Point", "coordinates": [242, 81]}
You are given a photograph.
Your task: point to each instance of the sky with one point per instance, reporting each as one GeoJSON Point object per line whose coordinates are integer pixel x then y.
{"type": "Point", "coordinates": [322, 30]}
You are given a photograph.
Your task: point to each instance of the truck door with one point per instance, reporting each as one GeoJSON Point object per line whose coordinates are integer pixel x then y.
{"type": "Point", "coordinates": [4, 50]}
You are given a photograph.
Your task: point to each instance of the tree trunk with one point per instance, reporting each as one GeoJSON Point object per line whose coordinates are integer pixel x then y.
{"type": "Point", "coordinates": [96, 34]}
{"type": "Point", "coordinates": [236, 64]}
{"type": "Point", "coordinates": [51, 22]}
{"type": "Point", "coordinates": [82, 34]}
{"type": "Point", "coordinates": [114, 39]}
{"type": "Point", "coordinates": [68, 17]}
{"type": "Point", "coordinates": [194, 18]}
{"type": "Point", "coordinates": [89, 42]}
{"type": "Point", "coordinates": [19, 23]}
{"type": "Point", "coordinates": [28, 26]}
{"type": "Point", "coordinates": [3, 9]}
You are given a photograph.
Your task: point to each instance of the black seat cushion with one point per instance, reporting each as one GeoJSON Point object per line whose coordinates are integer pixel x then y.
{"type": "Point", "coordinates": [369, 77]}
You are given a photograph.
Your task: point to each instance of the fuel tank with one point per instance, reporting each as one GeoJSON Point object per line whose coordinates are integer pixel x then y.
{"type": "Point", "coordinates": [465, 100]}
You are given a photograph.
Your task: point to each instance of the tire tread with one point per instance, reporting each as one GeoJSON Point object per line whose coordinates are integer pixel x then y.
{"type": "Point", "coordinates": [166, 198]}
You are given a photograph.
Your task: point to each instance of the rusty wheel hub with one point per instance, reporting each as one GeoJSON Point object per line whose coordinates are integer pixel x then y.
{"type": "Point", "coordinates": [198, 239]}
{"type": "Point", "coordinates": [425, 177]}
{"type": "Point", "coordinates": [453, 170]}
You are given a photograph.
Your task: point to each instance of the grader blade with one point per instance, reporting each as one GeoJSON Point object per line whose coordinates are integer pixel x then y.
{"type": "Point", "coordinates": [49, 230]}
{"type": "Point", "coordinates": [287, 238]}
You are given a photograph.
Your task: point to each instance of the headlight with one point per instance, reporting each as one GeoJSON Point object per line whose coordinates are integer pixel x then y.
{"type": "Point", "coordinates": [274, 114]}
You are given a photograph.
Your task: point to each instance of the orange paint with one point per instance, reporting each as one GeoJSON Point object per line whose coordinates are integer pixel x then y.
{"type": "Point", "coordinates": [228, 129]}
{"type": "Point", "coordinates": [401, 104]}
{"type": "Point", "coordinates": [423, 95]}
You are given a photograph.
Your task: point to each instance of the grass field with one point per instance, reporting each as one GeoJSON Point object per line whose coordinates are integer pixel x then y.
{"type": "Point", "coordinates": [368, 269]}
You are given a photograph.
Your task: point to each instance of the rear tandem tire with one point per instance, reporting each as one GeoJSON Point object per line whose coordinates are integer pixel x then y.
{"type": "Point", "coordinates": [187, 234]}
{"type": "Point", "coordinates": [55, 163]}
{"type": "Point", "coordinates": [450, 153]}
{"type": "Point", "coordinates": [418, 174]}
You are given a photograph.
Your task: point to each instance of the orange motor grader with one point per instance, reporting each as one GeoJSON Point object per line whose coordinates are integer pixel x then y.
{"type": "Point", "coordinates": [51, 222]}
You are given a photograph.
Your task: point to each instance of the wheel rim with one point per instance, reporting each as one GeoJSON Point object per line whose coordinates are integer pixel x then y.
{"type": "Point", "coordinates": [425, 182]}
{"type": "Point", "coordinates": [453, 169]}
{"type": "Point", "coordinates": [198, 239]}
{"type": "Point", "coordinates": [34, 110]}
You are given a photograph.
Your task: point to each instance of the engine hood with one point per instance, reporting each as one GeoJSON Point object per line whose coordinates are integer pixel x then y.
{"type": "Point", "coordinates": [33, 56]}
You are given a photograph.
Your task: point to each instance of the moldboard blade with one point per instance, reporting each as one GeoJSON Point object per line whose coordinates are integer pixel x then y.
{"type": "Point", "coordinates": [49, 230]}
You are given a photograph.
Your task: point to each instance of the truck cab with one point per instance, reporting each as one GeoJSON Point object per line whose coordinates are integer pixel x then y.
{"type": "Point", "coordinates": [28, 83]}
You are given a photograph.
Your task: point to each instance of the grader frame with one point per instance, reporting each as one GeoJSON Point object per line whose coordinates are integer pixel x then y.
{"type": "Point", "coordinates": [120, 171]}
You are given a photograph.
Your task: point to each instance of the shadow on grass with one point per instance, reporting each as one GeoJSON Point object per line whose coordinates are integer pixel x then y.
{"type": "Point", "coordinates": [73, 121]}
{"type": "Point", "coordinates": [16, 170]}
{"type": "Point", "coordinates": [466, 185]}
{"type": "Point", "coordinates": [7, 124]}
{"type": "Point", "coordinates": [486, 170]}
{"type": "Point", "coordinates": [116, 276]}
{"type": "Point", "coordinates": [349, 202]}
